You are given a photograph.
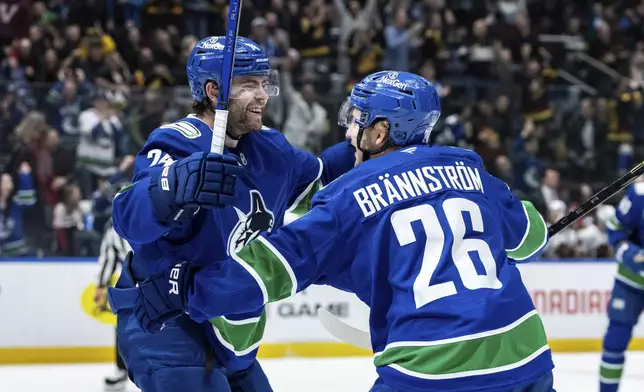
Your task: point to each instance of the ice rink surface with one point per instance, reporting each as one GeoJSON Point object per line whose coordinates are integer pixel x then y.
{"type": "Point", "coordinates": [573, 373]}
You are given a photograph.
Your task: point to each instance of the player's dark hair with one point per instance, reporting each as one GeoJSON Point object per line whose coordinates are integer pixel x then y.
{"type": "Point", "coordinates": [199, 108]}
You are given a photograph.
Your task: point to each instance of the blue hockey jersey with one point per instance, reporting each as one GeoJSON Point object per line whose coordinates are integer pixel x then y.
{"type": "Point", "coordinates": [12, 241]}
{"type": "Point", "coordinates": [428, 240]}
{"type": "Point", "coordinates": [628, 225]}
{"type": "Point", "coordinates": [277, 178]}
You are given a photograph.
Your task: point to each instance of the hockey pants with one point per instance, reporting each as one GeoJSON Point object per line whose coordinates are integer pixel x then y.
{"type": "Point", "coordinates": [178, 358]}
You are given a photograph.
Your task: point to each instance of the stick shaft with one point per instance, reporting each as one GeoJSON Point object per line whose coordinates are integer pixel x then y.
{"type": "Point", "coordinates": [221, 114]}
{"type": "Point", "coordinates": [597, 199]}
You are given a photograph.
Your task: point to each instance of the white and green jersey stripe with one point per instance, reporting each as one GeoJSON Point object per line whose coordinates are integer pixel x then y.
{"type": "Point", "coordinates": [276, 280]}
{"type": "Point", "coordinates": [534, 236]}
{"type": "Point", "coordinates": [302, 203]}
{"type": "Point", "coordinates": [477, 354]}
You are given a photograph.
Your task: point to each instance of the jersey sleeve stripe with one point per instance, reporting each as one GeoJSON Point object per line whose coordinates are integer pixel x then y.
{"type": "Point", "coordinates": [254, 274]}
{"type": "Point", "coordinates": [285, 264]}
{"type": "Point", "coordinates": [614, 225]}
{"type": "Point", "coordinates": [302, 204]}
{"type": "Point", "coordinates": [185, 128]}
{"type": "Point", "coordinates": [271, 268]}
{"type": "Point", "coordinates": [239, 336]}
{"type": "Point", "coordinates": [627, 276]}
{"type": "Point", "coordinates": [479, 354]}
{"type": "Point", "coordinates": [535, 236]}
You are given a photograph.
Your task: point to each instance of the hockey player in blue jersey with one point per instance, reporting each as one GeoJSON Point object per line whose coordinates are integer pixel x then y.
{"type": "Point", "coordinates": [186, 204]}
{"type": "Point", "coordinates": [421, 234]}
{"type": "Point", "coordinates": [626, 236]}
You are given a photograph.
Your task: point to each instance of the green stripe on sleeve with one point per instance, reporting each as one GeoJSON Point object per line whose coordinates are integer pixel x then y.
{"type": "Point", "coordinates": [276, 278]}
{"type": "Point", "coordinates": [613, 224]}
{"type": "Point", "coordinates": [630, 277]}
{"type": "Point", "coordinates": [241, 337]}
{"type": "Point", "coordinates": [535, 236]}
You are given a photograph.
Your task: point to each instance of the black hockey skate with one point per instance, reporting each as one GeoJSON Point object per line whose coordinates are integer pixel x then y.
{"type": "Point", "coordinates": [117, 382]}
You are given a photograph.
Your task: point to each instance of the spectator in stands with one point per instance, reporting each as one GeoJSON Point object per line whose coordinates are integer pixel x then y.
{"type": "Point", "coordinates": [398, 41]}
{"type": "Point", "coordinates": [550, 186]}
{"type": "Point", "coordinates": [364, 54]}
{"type": "Point", "coordinates": [535, 102]}
{"type": "Point", "coordinates": [68, 221]}
{"type": "Point", "coordinates": [99, 144]}
{"type": "Point", "coordinates": [528, 167]}
{"type": "Point", "coordinates": [66, 100]}
{"type": "Point", "coordinates": [585, 141]}
{"type": "Point", "coordinates": [107, 188]}
{"type": "Point", "coordinates": [11, 114]}
{"type": "Point", "coordinates": [306, 123]}
{"type": "Point", "coordinates": [352, 17]}
{"type": "Point", "coordinates": [56, 164]}
{"type": "Point", "coordinates": [12, 205]}
{"type": "Point", "coordinates": [313, 37]}
{"type": "Point", "coordinates": [562, 245]}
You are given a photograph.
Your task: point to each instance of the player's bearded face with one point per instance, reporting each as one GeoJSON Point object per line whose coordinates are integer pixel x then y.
{"type": "Point", "coordinates": [352, 134]}
{"type": "Point", "coordinates": [248, 98]}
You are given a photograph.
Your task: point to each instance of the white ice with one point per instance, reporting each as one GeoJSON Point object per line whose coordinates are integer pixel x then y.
{"type": "Point", "coordinates": [573, 373]}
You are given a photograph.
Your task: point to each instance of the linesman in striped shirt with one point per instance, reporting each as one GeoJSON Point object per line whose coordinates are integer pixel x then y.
{"type": "Point", "coordinates": [112, 253]}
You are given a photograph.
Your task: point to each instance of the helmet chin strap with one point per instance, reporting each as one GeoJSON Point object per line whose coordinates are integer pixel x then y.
{"type": "Point", "coordinates": [366, 154]}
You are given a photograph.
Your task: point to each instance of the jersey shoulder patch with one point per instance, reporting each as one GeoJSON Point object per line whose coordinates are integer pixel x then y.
{"type": "Point", "coordinates": [186, 128]}
{"type": "Point", "coordinates": [174, 141]}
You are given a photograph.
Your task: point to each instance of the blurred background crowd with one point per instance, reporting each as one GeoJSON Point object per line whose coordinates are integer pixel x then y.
{"type": "Point", "coordinates": [548, 92]}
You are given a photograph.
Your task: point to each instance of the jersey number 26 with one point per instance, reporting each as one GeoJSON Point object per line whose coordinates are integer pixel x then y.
{"type": "Point", "coordinates": [424, 292]}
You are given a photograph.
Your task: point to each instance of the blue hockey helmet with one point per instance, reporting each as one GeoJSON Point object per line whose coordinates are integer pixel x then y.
{"type": "Point", "coordinates": [206, 63]}
{"type": "Point", "coordinates": [408, 101]}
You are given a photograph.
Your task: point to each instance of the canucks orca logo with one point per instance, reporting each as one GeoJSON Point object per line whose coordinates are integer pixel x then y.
{"type": "Point", "coordinates": [249, 226]}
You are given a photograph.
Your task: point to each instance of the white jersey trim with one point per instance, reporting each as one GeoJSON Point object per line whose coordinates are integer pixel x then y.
{"type": "Point", "coordinates": [459, 338]}
{"type": "Point", "coordinates": [470, 373]}
{"type": "Point", "coordinates": [306, 191]}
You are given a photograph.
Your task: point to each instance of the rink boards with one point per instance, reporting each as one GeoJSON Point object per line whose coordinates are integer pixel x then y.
{"type": "Point", "coordinates": [48, 313]}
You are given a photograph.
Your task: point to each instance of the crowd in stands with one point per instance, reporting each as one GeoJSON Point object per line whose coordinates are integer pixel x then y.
{"type": "Point", "coordinates": [548, 92]}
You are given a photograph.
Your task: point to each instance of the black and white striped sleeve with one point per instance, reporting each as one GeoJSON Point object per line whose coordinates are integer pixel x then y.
{"type": "Point", "coordinates": [112, 253]}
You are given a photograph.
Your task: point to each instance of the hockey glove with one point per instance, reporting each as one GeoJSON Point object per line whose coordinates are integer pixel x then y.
{"type": "Point", "coordinates": [201, 180]}
{"type": "Point", "coordinates": [163, 297]}
{"type": "Point", "coordinates": [631, 256]}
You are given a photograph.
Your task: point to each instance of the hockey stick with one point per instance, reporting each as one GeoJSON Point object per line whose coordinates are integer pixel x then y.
{"type": "Point", "coordinates": [221, 114]}
{"type": "Point", "coordinates": [597, 199]}
{"type": "Point", "coordinates": [360, 338]}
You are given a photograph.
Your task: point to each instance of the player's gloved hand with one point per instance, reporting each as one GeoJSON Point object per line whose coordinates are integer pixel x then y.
{"type": "Point", "coordinates": [164, 297]}
{"type": "Point", "coordinates": [201, 180]}
{"type": "Point", "coordinates": [631, 256]}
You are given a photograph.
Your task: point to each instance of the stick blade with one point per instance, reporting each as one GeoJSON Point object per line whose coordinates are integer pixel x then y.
{"type": "Point", "coordinates": [344, 331]}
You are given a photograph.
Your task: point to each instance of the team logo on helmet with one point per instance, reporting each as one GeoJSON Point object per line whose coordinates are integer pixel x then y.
{"type": "Point", "coordinates": [391, 79]}
{"type": "Point", "coordinates": [212, 43]}
{"type": "Point", "coordinates": [259, 219]}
